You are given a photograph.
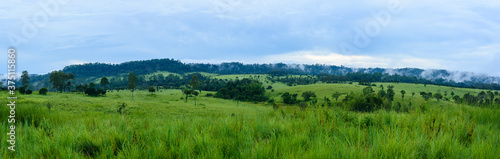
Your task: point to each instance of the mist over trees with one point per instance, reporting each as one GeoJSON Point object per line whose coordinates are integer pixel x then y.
{"type": "Point", "coordinates": [317, 72]}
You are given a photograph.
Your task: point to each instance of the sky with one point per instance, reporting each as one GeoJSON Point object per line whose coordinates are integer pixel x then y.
{"type": "Point", "coordinates": [456, 35]}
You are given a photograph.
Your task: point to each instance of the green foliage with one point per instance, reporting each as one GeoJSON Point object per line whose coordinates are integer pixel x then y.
{"type": "Point", "coordinates": [276, 106]}
{"type": "Point", "coordinates": [362, 103]}
{"type": "Point", "coordinates": [121, 108]}
{"type": "Point", "coordinates": [438, 96]}
{"type": "Point", "coordinates": [29, 91]}
{"type": "Point", "coordinates": [104, 81]}
{"type": "Point", "coordinates": [336, 95]}
{"type": "Point", "coordinates": [289, 98]}
{"type": "Point", "coordinates": [425, 95]}
{"type": "Point", "coordinates": [43, 91]}
{"type": "Point", "coordinates": [60, 80]}
{"type": "Point", "coordinates": [25, 79]}
{"type": "Point", "coordinates": [22, 90]}
{"type": "Point", "coordinates": [269, 87]}
{"type": "Point", "coordinates": [307, 95]}
{"type": "Point", "coordinates": [152, 89]}
{"type": "Point", "coordinates": [243, 90]}
{"type": "Point", "coordinates": [88, 148]}
{"type": "Point", "coordinates": [390, 93]}
{"type": "Point", "coordinates": [403, 92]}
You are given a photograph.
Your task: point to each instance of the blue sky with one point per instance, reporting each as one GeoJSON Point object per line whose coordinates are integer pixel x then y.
{"type": "Point", "coordinates": [449, 34]}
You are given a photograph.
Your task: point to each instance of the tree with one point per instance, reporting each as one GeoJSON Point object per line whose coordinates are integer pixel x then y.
{"type": "Point", "coordinates": [104, 82]}
{"type": "Point", "coordinates": [367, 91]}
{"type": "Point", "coordinates": [456, 98]}
{"type": "Point", "coordinates": [152, 89]}
{"type": "Point", "coordinates": [25, 79]}
{"type": "Point", "coordinates": [59, 80]}
{"type": "Point", "coordinates": [43, 91]}
{"type": "Point", "coordinates": [307, 95]}
{"type": "Point", "coordinates": [425, 95]}
{"type": "Point", "coordinates": [187, 92]}
{"type": "Point", "coordinates": [289, 98]}
{"type": "Point", "coordinates": [403, 92]}
{"type": "Point", "coordinates": [195, 93]}
{"type": "Point", "coordinates": [412, 94]}
{"type": "Point", "coordinates": [390, 93]}
{"type": "Point", "coordinates": [452, 94]}
{"type": "Point", "coordinates": [438, 96]}
{"type": "Point", "coordinates": [194, 82]}
{"type": "Point", "coordinates": [132, 82]}
{"type": "Point", "coordinates": [90, 90]}
{"type": "Point", "coordinates": [336, 95]}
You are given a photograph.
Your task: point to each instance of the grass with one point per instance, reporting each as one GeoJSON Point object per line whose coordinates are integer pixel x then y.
{"type": "Point", "coordinates": [165, 126]}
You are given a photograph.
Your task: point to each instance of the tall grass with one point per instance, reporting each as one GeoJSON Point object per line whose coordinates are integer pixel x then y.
{"type": "Point", "coordinates": [165, 127]}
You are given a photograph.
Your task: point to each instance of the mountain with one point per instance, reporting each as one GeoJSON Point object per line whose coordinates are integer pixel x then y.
{"type": "Point", "coordinates": [92, 71]}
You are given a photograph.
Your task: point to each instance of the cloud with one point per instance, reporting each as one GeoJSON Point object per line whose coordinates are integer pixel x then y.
{"type": "Point", "coordinates": [359, 61]}
{"type": "Point", "coordinates": [463, 36]}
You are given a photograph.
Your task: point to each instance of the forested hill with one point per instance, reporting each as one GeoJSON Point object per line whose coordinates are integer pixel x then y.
{"type": "Point", "coordinates": [97, 70]}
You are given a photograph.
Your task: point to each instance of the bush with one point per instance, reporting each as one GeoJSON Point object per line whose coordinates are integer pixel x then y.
{"type": "Point", "coordinates": [22, 90]}
{"type": "Point", "coordinates": [152, 89]}
{"type": "Point", "coordinates": [43, 91]}
{"type": "Point", "coordinates": [307, 95]}
{"type": "Point", "coordinates": [209, 95]}
{"type": "Point", "coordinates": [29, 91]}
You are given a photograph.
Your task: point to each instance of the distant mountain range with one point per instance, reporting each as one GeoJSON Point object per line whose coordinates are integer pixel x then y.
{"type": "Point", "coordinates": [97, 70]}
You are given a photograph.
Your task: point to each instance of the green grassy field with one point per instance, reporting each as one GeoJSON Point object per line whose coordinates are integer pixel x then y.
{"type": "Point", "coordinates": [163, 125]}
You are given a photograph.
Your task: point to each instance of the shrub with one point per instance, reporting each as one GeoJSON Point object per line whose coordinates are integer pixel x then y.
{"type": "Point", "coordinates": [209, 95]}
{"type": "Point", "coordinates": [307, 95]}
{"type": "Point", "coordinates": [151, 89]}
{"type": "Point", "coordinates": [29, 91]}
{"type": "Point", "coordinates": [22, 90]}
{"type": "Point", "coordinates": [43, 91]}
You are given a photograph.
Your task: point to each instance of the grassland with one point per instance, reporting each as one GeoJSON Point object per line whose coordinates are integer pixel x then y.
{"type": "Point", "coordinates": [163, 125]}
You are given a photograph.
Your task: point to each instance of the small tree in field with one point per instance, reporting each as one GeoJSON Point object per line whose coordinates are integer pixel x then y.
{"type": "Point", "coordinates": [438, 96]}
{"type": "Point", "coordinates": [336, 95]}
{"type": "Point", "coordinates": [152, 89]}
{"type": "Point", "coordinates": [132, 82]}
{"type": "Point", "coordinates": [403, 92]}
{"type": "Point", "coordinates": [187, 92]}
{"type": "Point", "coordinates": [412, 94]}
{"type": "Point", "coordinates": [307, 95]}
{"type": "Point", "coordinates": [195, 93]}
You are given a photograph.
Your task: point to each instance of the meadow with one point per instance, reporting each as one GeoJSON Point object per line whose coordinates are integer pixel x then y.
{"type": "Point", "coordinates": [164, 125]}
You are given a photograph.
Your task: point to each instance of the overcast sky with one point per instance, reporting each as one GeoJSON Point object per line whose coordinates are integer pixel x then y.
{"type": "Point", "coordinates": [457, 35]}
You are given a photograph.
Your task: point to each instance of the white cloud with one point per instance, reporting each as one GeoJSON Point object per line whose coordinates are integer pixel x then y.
{"type": "Point", "coordinates": [359, 61]}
